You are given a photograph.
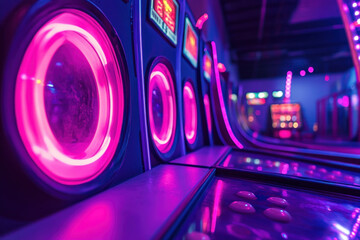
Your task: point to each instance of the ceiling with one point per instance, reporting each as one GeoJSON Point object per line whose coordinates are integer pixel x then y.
{"type": "Point", "coordinates": [270, 37]}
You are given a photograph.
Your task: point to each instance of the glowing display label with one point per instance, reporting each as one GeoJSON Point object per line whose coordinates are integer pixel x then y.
{"type": "Point", "coordinates": [256, 101]}
{"type": "Point", "coordinates": [164, 13]}
{"type": "Point", "coordinates": [207, 63]}
{"type": "Point", "coordinates": [286, 116]}
{"type": "Point", "coordinates": [191, 40]}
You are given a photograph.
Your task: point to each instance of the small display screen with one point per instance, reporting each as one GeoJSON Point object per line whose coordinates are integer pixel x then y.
{"type": "Point", "coordinates": [207, 65]}
{"type": "Point", "coordinates": [286, 116]}
{"type": "Point", "coordinates": [164, 13]}
{"type": "Point", "coordinates": [190, 49]}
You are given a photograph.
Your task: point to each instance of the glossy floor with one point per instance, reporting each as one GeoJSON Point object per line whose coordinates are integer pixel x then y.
{"type": "Point", "coordinates": [279, 165]}
{"type": "Point", "coordinates": [275, 213]}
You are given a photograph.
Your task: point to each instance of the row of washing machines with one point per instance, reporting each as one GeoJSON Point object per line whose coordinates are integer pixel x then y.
{"type": "Point", "coordinates": [116, 123]}
{"type": "Point", "coordinates": [94, 93]}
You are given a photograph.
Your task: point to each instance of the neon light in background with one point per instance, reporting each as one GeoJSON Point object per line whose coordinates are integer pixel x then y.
{"type": "Point", "coordinates": [284, 134]}
{"type": "Point", "coordinates": [250, 95]}
{"type": "Point", "coordinates": [200, 22]}
{"type": "Point", "coordinates": [277, 94]}
{"type": "Point", "coordinates": [256, 98]}
{"type": "Point", "coordinates": [256, 101]}
{"type": "Point", "coordinates": [263, 95]}
{"type": "Point", "coordinates": [190, 49]}
{"type": "Point", "coordinates": [207, 112]}
{"type": "Point", "coordinates": [59, 156]}
{"type": "Point", "coordinates": [302, 73]}
{"type": "Point", "coordinates": [162, 108]}
{"type": "Point", "coordinates": [288, 86]}
{"type": "Point", "coordinates": [310, 69]}
{"type": "Point", "coordinates": [286, 116]}
{"type": "Point", "coordinates": [221, 67]}
{"type": "Point", "coordinates": [190, 113]}
{"type": "Point", "coordinates": [221, 100]}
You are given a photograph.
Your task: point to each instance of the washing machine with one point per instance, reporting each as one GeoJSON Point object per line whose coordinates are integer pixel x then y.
{"type": "Point", "coordinates": [70, 119]}
{"type": "Point", "coordinates": [195, 128]}
{"type": "Point", "coordinates": [159, 33]}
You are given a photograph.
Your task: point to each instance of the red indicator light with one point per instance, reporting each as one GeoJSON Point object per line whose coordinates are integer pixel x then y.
{"type": "Point", "coordinates": [221, 67]}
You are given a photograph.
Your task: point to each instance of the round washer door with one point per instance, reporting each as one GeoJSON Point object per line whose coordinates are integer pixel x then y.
{"type": "Point", "coordinates": [162, 107]}
{"type": "Point", "coordinates": [69, 99]}
{"type": "Point", "coordinates": [190, 113]}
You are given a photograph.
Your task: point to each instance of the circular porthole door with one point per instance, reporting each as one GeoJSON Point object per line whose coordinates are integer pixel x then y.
{"type": "Point", "coordinates": [190, 113]}
{"type": "Point", "coordinates": [162, 106]}
{"type": "Point", "coordinates": [69, 98]}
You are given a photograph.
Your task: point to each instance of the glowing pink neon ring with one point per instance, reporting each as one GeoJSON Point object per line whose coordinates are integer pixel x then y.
{"type": "Point", "coordinates": [160, 78]}
{"type": "Point", "coordinates": [89, 37]}
{"type": "Point", "coordinates": [190, 113]}
{"type": "Point", "coordinates": [207, 112]}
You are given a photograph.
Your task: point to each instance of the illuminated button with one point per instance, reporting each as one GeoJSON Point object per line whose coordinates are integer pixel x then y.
{"type": "Point", "coordinates": [246, 195]}
{"type": "Point", "coordinates": [295, 125]}
{"type": "Point", "coordinates": [281, 202]}
{"type": "Point", "coordinates": [278, 215]}
{"type": "Point", "coordinates": [242, 207]}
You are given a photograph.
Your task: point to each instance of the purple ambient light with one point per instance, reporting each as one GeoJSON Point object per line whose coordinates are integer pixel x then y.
{"type": "Point", "coordinates": [162, 108]}
{"type": "Point", "coordinates": [302, 73]}
{"type": "Point", "coordinates": [190, 113]}
{"type": "Point", "coordinates": [51, 93]}
{"type": "Point", "coordinates": [311, 69]}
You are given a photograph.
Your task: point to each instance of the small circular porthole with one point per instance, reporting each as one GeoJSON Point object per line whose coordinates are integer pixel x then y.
{"type": "Point", "coordinates": [162, 107]}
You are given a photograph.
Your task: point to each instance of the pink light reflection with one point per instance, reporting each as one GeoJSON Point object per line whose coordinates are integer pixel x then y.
{"type": "Point", "coordinates": [96, 221]}
{"type": "Point", "coordinates": [221, 99]}
{"type": "Point", "coordinates": [190, 113]}
{"type": "Point", "coordinates": [205, 219]}
{"type": "Point", "coordinates": [216, 208]}
{"type": "Point", "coordinates": [227, 161]}
{"type": "Point", "coordinates": [200, 22]}
{"type": "Point", "coordinates": [207, 112]}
